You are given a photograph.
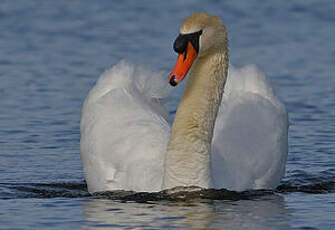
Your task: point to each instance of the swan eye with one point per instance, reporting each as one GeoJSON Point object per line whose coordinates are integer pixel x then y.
{"type": "Point", "coordinates": [181, 41]}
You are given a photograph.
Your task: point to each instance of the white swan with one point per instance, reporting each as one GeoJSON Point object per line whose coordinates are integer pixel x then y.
{"type": "Point", "coordinates": [235, 140]}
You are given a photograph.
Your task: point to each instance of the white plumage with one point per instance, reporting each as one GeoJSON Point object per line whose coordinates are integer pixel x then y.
{"type": "Point", "coordinates": [124, 132]}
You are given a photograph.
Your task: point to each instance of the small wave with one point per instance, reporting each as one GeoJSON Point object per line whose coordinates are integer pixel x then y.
{"type": "Point", "coordinates": [79, 190]}
{"type": "Point", "coordinates": [43, 190]}
{"type": "Point", "coordinates": [183, 194]}
{"type": "Point", "coordinates": [319, 188]}
{"type": "Point", "coordinates": [298, 181]}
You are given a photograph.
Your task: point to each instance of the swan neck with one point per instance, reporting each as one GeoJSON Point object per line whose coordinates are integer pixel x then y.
{"type": "Point", "coordinates": [187, 160]}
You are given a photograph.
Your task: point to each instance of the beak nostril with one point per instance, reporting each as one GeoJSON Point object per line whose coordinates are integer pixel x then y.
{"type": "Point", "coordinates": [173, 81]}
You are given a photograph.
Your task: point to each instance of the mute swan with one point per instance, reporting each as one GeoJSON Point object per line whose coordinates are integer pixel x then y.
{"type": "Point", "coordinates": [235, 140]}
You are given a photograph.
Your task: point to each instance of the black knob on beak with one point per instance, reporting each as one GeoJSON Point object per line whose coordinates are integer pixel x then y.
{"type": "Point", "coordinates": [180, 44]}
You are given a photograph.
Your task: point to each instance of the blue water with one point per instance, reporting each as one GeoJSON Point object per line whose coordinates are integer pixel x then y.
{"type": "Point", "coordinates": [51, 53]}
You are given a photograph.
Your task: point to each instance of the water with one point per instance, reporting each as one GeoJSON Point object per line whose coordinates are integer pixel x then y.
{"type": "Point", "coordinates": [51, 53]}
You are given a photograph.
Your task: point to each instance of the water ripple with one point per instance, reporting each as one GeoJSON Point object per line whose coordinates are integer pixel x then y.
{"type": "Point", "coordinates": [298, 182]}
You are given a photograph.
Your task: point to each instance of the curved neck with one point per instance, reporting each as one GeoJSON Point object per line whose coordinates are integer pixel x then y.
{"type": "Point", "coordinates": [187, 160]}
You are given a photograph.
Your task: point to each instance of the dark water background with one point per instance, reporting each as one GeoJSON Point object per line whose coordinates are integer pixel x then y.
{"type": "Point", "coordinates": [51, 53]}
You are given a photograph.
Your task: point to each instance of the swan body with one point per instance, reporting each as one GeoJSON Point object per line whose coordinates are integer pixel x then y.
{"type": "Point", "coordinates": [229, 132]}
{"type": "Point", "coordinates": [124, 132]}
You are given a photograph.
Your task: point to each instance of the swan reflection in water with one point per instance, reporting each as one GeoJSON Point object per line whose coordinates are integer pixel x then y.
{"type": "Point", "coordinates": [263, 213]}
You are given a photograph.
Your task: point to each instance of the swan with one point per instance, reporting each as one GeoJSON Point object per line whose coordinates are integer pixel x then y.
{"type": "Point", "coordinates": [235, 139]}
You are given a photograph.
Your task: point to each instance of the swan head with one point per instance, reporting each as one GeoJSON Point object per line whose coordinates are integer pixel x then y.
{"type": "Point", "coordinates": [201, 34]}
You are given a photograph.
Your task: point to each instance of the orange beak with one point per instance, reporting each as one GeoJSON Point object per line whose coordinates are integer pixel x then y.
{"type": "Point", "coordinates": [184, 63]}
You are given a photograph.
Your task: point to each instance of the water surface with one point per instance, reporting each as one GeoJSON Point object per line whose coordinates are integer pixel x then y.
{"type": "Point", "coordinates": [52, 53]}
